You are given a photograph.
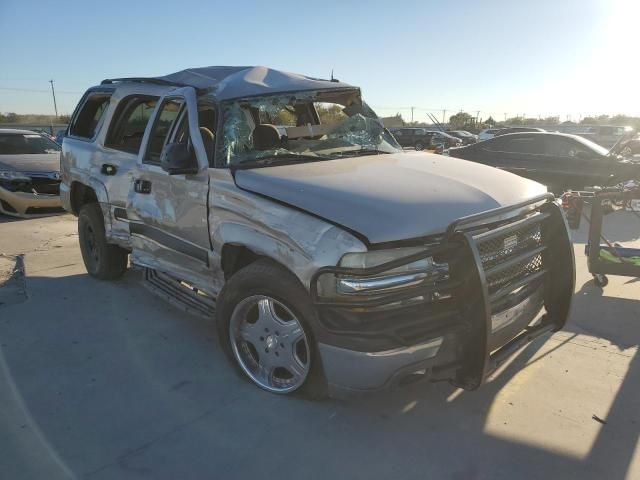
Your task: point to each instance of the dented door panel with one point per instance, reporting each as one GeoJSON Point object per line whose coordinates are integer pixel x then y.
{"type": "Point", "coordinates": [168, 213]}
{"type": "Point", "coordinates": [171, 221]}
{"type": "Point", "coordinates": [299, 241]}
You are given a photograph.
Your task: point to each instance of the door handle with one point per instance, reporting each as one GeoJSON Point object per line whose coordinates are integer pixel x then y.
{"type": "Point", "coordinates": [142, 186]}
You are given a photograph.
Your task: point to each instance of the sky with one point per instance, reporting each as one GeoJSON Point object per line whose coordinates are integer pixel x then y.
{"type": "Point", "coordinates": [501, 58]}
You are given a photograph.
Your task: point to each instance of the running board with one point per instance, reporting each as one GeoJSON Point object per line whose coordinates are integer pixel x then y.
{"type": "Point", "coordinates": [180, 294]}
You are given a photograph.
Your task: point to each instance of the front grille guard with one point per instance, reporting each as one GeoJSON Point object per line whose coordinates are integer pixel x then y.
{"type": "Point", "coordinates": [468, 280]}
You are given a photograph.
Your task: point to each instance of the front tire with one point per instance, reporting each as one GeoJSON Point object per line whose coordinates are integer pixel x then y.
{"type": "Point", "coordinates": [101, 259]}
{"type": "Point", "coordinates": [263, 317]}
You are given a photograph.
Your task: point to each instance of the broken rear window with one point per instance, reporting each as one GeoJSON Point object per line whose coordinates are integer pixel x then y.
{"type": "Point", "coordinates": [305, 126]}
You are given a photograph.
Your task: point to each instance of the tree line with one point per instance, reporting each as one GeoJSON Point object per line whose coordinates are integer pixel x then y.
{"type": "Point", "coordinates": [33, 118]}
{"type": "Point", "coordinates": [466, 121]}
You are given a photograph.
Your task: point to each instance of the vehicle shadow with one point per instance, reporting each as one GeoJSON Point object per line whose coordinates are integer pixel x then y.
{"type": "Point", "coordinates": [9, 219]}
{"type": "Point", "coordinates": [119, 384]}
{"type": "Point", "coordinates": [612, 451]}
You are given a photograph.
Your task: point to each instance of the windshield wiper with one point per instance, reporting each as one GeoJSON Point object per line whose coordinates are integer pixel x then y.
{"type": "Point", "coordinates": [362, 151]}
{"type": "Point", "coordinates": [282, 159]}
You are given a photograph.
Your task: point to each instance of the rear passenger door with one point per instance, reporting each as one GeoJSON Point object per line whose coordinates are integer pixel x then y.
{"type": "Point", "coordinates": [123, 142]}
{"type": "Point", "coordinates": [519, 154]}
{"type": "Point", "coordinates": [168, 213]}
{"type": "Point", "coordinates": [119, 157]}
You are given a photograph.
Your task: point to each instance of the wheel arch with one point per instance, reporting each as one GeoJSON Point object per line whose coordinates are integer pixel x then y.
{"type": "Point", "coordinates": [82, 193]}
{"type": "Point", "coordinates": [241, 245]}
{"type": "Point", "coordinates": [236, 256]}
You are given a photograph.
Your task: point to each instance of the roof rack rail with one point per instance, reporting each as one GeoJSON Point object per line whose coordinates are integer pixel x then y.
{"type": "Point", "coordinates": [155, 81]}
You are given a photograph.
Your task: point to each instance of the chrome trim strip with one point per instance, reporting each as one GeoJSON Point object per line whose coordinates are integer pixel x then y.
{"type": "Point", "coordinates": [350, 286]}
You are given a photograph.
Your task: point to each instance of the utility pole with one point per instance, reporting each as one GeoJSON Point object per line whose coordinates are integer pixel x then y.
{"type": "Point", "coordinates": [444, 113]}
{"type": "Point", "coordinates": [53, 92]}
{"type": "Point", "coordinates": [411, 114]}
{"type": "Point", "coordinates": [477, 115]}
{"type": "Point", "coordinates": [505, 117]}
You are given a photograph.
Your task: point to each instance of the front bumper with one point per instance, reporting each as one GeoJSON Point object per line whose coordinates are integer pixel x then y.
{"type": "Point", "coordinates": [467, 325]}
{"type": "Point", "coordinates": [27, 205]}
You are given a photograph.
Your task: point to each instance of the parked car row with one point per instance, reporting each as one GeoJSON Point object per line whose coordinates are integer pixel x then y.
{"type": "Point", "coordinates": [606, 135]}
{"type": "Point", "coordinates": [467, 138]}
{"type": "Point", "coordinates": [422, 138]}
{"type": "Point", "coordinates": [496, 132]}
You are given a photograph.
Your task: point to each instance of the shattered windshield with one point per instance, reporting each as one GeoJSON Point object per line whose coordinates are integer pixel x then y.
{"type": "Point", "coordinates": [304, 126]}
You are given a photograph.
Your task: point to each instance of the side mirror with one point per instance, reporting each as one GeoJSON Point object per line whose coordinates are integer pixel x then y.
{"type": "Point", "coordinates": [178, 159]}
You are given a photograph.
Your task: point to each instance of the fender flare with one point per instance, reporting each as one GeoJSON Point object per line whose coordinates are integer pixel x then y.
{"type": "Point", "coordinates": [287, 253]}
{"type": "Point", "coordinates": [100, 191]}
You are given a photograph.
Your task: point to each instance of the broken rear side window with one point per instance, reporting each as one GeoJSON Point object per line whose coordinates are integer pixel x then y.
{"type": "Point", "coordinates": [129, 123]}
{"type": "Point", "coordinates": [85, 123]}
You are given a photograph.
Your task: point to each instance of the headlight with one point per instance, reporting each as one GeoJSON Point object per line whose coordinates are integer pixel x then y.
{"type": "Point", "coordinates": [11, 175]}
{"type": "Point", "coordinates": [374, 258]}
{"type": "Point", "coordinates": [405, 276]}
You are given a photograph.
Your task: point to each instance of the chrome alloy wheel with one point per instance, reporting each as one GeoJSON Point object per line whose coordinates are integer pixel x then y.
{"type": "Point", "coordinates": [269, 343]}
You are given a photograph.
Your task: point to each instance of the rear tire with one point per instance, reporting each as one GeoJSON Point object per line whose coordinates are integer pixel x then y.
{"type": "Point", "coordinates": [101, 259]}
{"type": "Point", "coordinates": [266, 280]}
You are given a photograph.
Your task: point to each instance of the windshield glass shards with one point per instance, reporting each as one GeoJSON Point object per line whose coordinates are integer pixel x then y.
{"type": "Point", "coordinates": [303, 127]}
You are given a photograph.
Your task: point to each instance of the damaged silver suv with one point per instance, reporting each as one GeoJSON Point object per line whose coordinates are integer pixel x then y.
{"type": "Point", "coordinates": [331, 260]}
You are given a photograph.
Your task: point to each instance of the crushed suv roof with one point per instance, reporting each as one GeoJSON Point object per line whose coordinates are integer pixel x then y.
{"type": "Point", "coordinates": [226, 82]}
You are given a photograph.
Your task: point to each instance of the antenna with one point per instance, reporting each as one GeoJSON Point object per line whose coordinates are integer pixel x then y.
{"type": "Point", "coordinates": [53, 92]}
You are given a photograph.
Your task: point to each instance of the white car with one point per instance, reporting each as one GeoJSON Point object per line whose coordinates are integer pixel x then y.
{"type": "Point", "coordinates": [487, 134]}
{"type": "Point", "coordinates": [29, 174]}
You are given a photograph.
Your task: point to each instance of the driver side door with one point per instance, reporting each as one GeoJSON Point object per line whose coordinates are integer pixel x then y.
{"type": "Point", "coordinates": [168, 212]}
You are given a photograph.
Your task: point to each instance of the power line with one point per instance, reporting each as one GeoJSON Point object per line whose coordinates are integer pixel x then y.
{"type": "Point", "coordinates": [33, 90]}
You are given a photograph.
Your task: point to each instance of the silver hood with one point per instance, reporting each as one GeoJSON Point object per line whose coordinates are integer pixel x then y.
{"type": "Point", "coordinates": [390, 197]}
{"type": "Point", "coordinates": [46, 162]}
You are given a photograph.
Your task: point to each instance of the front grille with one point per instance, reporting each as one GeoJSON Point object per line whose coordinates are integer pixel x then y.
{"type": "Point", "coordinates": [514, 272]}
{"type": "Point", "coordinates": [513, 253]}
{"type": "Point", "coordinates": [493, 251]}
{"type": "Point", "coordinates": [45, 186]}
{"type": "Point", "coordinates": [41, 184]}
